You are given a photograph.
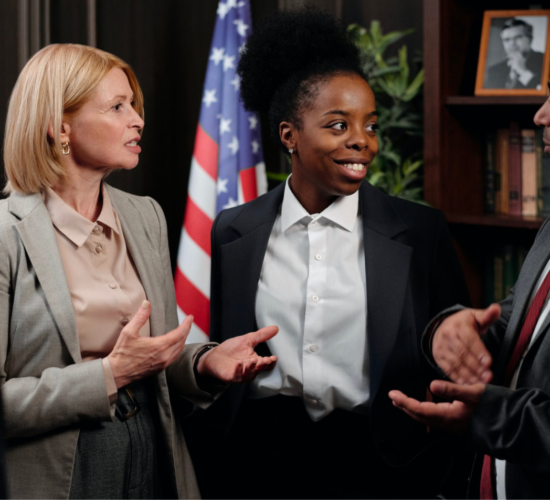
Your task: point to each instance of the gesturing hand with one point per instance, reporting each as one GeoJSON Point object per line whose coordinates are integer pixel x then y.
{"type": "Point", "coordinates": [457, 347]}
{"type": "Point", "coordinates": [235, 359]}
{"type": "Point", "coordinates": [454, 417]}
{"type": "Point", "coordinates": [135, 357]}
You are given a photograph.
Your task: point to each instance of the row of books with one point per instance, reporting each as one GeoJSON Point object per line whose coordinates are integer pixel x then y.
{"type": "Point", "coordinates": [516, 173]}
{"type": "Point", "coordinates": [502, 271]}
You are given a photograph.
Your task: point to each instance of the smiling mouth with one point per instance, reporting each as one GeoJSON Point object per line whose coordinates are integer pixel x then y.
{"type": "Point", "coordinates": [356, 167]}
{"type": "Point", "coordinates": [132, 143]}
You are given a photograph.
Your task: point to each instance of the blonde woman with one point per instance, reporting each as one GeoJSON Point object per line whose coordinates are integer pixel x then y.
{"type": "Point", "coordinates": [88, 387]}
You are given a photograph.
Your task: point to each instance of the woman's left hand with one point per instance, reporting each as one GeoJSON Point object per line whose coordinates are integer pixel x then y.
{"type": "Point", "coordinates": [235, 359]}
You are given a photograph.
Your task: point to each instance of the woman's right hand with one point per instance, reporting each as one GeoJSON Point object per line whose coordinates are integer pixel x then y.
{"type": "Point", "coordinates": [135, 357]}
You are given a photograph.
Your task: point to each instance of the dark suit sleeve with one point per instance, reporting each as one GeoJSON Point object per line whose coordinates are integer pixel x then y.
{"type": "Point", "coordinates": [513, 425]}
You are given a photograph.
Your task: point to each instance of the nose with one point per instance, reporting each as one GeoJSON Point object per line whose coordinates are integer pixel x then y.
{"type": "Point", "coordinates": [358, 139]}
{"type": "Point", "coordinates": [542, 116]}
{"type": "Point", "coordinates": [136, 120]}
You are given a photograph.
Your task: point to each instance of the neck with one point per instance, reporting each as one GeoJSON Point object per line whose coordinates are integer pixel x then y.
{"type": "Point", "coordinates": [81, 191]}
{"type": "Point", "coordinates": [309, 198]}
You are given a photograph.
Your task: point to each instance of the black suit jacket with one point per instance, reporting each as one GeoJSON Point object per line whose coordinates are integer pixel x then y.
{"type": "Point", "coordinates": [496, 75]}
{"type": "Point", "coordinates": [412, 272]}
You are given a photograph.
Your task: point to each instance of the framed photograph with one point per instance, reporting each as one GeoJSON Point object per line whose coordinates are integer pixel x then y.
{"type": "Point", "coordinates": [514, 55]}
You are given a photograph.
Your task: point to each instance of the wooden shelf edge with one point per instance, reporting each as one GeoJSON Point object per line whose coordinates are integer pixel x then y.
{"type": "Point", "coordinates": [459, 100]}
{"type": "Point", "coordinates": [496, 220]}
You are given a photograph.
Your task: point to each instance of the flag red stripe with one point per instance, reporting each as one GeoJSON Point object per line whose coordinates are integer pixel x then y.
{"type": "Point", "coordinates": [249, 184]}
{"type": "Point", "coordinates": [192, 301]}
{"type": "Point", "coordinates": [206, 152]}
{"type": "Point", "coordinates": [198, 225]}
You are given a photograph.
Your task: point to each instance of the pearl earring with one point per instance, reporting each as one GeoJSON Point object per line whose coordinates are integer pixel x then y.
{"type": "Point", "coordinates": [291, 151]}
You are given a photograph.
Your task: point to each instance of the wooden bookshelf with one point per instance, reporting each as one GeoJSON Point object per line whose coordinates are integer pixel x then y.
{"type": "Point", "coordinates": [456, 123]}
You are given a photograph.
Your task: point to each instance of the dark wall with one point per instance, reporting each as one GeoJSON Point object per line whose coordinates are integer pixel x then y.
{"type": "Point", "coordinates": [167, 42]}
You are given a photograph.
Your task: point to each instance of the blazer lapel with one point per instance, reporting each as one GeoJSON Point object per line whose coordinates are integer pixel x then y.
{"type": "Point", "coordinates": [144, 255]}
{"type": "Point", "coordinates": [37, 234]}
{"type": "Point", "coordinates": [532, 267]}
{"type": "Point", "coordinates": [387, 270]}
{"type": "Point", "coordinates": [254, 226]}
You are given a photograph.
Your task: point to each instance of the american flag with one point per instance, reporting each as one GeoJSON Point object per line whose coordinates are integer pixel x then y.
{"type": "Point", "coordinates": [227, 168]}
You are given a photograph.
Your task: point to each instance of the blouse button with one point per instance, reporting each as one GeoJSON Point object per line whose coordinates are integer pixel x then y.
{"type": "Point", "coordinates": [315, 298]}
{"type": "Point", "coordinates": [98, 229]}
{"type": "Point", "coordinates": [125, 321]}
{"type": "Point", "coordinates": [98, 248]}
{"type": "Point", "coordinates": [112, 285]}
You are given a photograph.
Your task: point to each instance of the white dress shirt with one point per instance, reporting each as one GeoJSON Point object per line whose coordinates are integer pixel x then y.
{"type": "Point", "coordinates": [313, 286]}
{"type": "Point", "coordinates": [500, 465]}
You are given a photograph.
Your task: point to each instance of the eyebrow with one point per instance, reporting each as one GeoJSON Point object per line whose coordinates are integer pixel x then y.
{"type": "Point", "coordinates": [345, 113]}
{"type": "Point", "coordinates": [121, 96]}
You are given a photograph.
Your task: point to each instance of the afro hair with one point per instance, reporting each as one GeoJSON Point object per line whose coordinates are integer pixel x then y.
{"type": "Point", "coordinates": [287, 58]}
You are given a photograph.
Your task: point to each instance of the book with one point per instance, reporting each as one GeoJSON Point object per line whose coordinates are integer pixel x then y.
{"type": "Point", "coordinates": [528, 173]}
{"type": "Point", "coordinates": [501, 171]}
{"type": "Point", "coordinates": [489, 174]}
{"type": "Point", "coordinates": [514, 170]}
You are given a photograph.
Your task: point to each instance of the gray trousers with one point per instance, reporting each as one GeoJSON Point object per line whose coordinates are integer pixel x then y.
{"type": "Point", "coordinates": [124, 458]}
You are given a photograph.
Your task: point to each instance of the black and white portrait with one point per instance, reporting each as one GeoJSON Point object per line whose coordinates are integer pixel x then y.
{"type": "Point", "coordinates": [515, 52]}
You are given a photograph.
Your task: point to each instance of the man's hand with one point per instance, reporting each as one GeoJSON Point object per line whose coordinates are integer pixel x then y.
{"type": "Point", "coordinates": [518, 63]}
{"type": "Point", "coordinates": [135, 357]}
{"type": "Point", "coordinates": [235, 359]}
{"type": "Point", "coordinates": [457, 347]}
{"type": "Point", "coordinates": [453, 417]}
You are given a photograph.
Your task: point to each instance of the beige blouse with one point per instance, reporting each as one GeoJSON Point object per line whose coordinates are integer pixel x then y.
{"type": "Point", "coordinates": [105, 287]}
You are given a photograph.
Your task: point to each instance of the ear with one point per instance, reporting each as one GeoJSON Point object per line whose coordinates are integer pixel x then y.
{"type": "Point", "coordinates": [65, 131]}
{"type": "Point", "coordinates": [288, 135]}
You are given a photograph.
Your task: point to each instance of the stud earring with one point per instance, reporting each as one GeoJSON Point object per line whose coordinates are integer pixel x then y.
{"type": "Point", "coordinates": [66, 148]}
{"type": "Point", "coordinates": [291, 151]}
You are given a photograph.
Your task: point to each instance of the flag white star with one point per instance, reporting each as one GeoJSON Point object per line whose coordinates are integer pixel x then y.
{"type": "Point", "coordinates": [253, 122]}
{"type": "Point", "coordinates": [234, 145]}
{"type": "Point", "coordinates": [231, 203]}
{"type": "Point", "coordinates": [222, 185]}
{"type": "Point", "coordinates": [255, 146]}
{"type": "Point", "coordinates": [223, 9]}
{"type": "Point", "coordinates": [242, 48]}
{"type": "Point", "coordinates": [225, 126]}
{"type": "Point", "coordinates": [209, 97]}
{"type": "Point", "coordinates": [231, 4]}
{"type": "Point", "coordinates": [236, 82]}
{"type": "Point", "coordinates": [228, 62]}
{"type": "Point", "coordinates": [217, 55]}
{"type": "Point", "coordinates": [241, 27]}
{"type": "Point", "coordinates": [241, 4]}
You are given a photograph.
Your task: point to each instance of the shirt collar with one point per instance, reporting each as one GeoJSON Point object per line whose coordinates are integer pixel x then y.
{"type": "Point", "coordinates": [343, 211]}
{"type": "Point", "coordinates": [73, 225]}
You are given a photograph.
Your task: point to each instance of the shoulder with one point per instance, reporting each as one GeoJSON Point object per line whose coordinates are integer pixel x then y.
{"type": "Point", "coordinates": [131, 205]}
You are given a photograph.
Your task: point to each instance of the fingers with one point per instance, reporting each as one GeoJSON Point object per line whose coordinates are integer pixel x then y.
{"type": "Point", "coordinates": [468, 394]}
{"type": "Point", "coordinates": [458, 349]}
{"type": "Point", "coordinates": [486, 317]}
{"type": "Point", "coordinates": [139, 319]}
{"type": "Point", "coordinates": [262, 335]}
{"type": "Point", "coordinates": [252, 366]}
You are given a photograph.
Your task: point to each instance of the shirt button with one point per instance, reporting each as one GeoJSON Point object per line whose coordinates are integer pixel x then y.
{"type": "Point", "coordinates": [314, 402]}
{"type": "Point", "coordinates": [313, 348]}
{"type": "Point", "coordinates": [319, 256]}
{"type": "Point", "coordinates": [98, 248]}
{"type": "Point", "coordinates": [315, 298]}
{"type": "Point", "coordinates": [125, 321]}
{"type": "Point", "coordinates": [112, 285]}
{"type": "Point", "coordinates": [98, 229]}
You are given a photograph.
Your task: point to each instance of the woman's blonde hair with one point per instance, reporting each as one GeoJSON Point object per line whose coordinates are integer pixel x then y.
{"type": "Point", "coordinates": [57, 81]}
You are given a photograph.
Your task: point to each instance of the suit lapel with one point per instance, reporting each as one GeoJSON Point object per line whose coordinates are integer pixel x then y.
{"type": "Point", "coordinates": [243, 258]}
{"type": "Point", "coordinates": [387, 269]}
{"type": "Point", "coordinates": [145, 257]}
{"type": "Point", "coordinates": [37, 234]}
{"type": "Point", "coordinates": [532, 267]}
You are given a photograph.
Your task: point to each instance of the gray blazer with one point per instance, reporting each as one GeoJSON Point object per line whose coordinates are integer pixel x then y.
{"type": "Point", "coordinates": [47, 390]}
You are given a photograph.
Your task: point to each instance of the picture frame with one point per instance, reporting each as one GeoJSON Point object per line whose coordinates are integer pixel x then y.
{"type": "Point", "coordinates": [514, 53]}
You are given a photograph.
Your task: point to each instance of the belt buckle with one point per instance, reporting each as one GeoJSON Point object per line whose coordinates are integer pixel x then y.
{"type": "Point", "coordinates": [133, 412]}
